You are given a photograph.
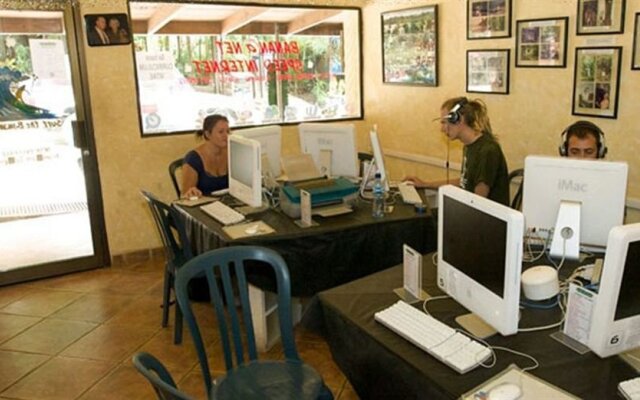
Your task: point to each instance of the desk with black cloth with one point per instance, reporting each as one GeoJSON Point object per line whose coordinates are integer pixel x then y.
{"type": "Point", "coordinates": [340, 249]}
{"type": "Point", "coordinates": [382, 365]}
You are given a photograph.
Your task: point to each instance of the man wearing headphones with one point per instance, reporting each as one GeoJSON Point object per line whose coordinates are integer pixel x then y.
{"type": "Point", "coordinates": [583, 139]}
{"type": "Point", "coordinates": [484, 168]}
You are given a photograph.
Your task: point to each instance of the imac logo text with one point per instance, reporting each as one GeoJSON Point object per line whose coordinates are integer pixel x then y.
{"type": "Point", "coordinates": [569, 185]}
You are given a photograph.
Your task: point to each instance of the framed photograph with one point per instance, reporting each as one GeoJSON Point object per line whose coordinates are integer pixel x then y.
{"type": "Point", "coordinates": [488, 71]}
{"type": "Point", "coordinates": [635, 59]}
{"type": "Point", "coordinates": [600, 17]}
{"type": "Point", "coordinates": [410, 46]}
{"type": "Point", "coordinates": [107, 29]}
{"type": "Point", "coordinates": [542, 43]}
{"type": "Point", "coordinates": [596, 81]}
{"type": "Point", "coordinates": [488, 19]}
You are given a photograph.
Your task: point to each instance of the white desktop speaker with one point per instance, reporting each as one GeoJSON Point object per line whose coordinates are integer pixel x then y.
{"type": "Point", "coordinates": [540, 283]}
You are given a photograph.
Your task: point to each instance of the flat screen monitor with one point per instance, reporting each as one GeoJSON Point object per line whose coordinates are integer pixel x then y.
{"type": "Point", "coordinates": [378, 157]}
{"type": "Point", "coordinates": [615, 324]}
{"type": "Point", "coordinates": [332, 146]}
{"type": "Point", "coordinates": [480, 256]}
{"type": "Point", "coordinates": [599, 187]}
{"type": "Point", "coordinates": [270, 138]}
{"type": "Point", "coordinates": [245, 177]}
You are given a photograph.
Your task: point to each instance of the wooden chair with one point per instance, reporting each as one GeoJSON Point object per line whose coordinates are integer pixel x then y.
{"type": "Point", "coordinates": [247, 377]}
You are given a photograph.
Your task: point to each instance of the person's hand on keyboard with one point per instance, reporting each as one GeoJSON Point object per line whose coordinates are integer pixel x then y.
{"type": "Point", "coordinates": [192, 192]}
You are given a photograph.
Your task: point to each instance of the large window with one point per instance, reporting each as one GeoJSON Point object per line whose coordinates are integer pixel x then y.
{"type": "Point", "coordinates": [256, 65]}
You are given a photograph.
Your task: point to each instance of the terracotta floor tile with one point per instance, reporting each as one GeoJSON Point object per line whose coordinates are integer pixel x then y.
{"type": "Point", "coordinates": [125, 382]}
{"type": "Point", "coordinates": [177, 358]}
{"type": "Point", "coordinates": [318, 356]}
{"type": "Point", "coordinates": [93, 308]}
{"type": "Point", "coordinates": [193, 384]}
{"type": "Point", "coordinates": [11, 325]}
{"type": "Point", "coordinates": [132, 283]}
{"type": "Point", "coordinates": [110, 342]}
{"type": "Point", "coordinates": [59, 378]}
{"type": "Point", "coordinates": [142, 311]}
{"type": "Point", "coordinates": [48, 337]}
{"type": "Point", "coordinates": [86, 282]}
{"type": "Point", "coordinates": [14, 365]}
{"type": "Point", "coordinates": [9, 294]}
{"type": "Point", "coordinates": [41, 302]}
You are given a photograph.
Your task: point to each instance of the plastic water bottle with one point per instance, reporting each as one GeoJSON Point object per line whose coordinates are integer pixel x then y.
{"type": "Point", "coordinates": [377, 210]}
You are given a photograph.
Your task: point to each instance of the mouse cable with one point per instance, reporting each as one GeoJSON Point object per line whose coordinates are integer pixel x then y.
{"type": "Point", "coordinates": [434, 258]}
{"type": "Point", "coordinates": [535, 365]}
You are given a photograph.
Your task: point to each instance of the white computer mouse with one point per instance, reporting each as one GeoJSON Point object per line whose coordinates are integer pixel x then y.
{"type": "Point", "coordinates": [505, 391]}
{"type": "Point", "coordinates": [252, 229]}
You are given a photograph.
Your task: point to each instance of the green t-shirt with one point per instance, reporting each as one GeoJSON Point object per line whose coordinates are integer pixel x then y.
{"type": "Point", "coordinates": [483, 162]}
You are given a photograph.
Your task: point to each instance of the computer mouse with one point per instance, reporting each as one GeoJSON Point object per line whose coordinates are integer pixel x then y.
{"type": "Point", "coordinates": [505, 391]}
{"type": "Point", "coordinates": [193, 198]}
{"type": "Point", "coordinates": [252, 229]}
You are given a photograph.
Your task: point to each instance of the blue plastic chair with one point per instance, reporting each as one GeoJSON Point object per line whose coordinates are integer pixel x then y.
{"type": "Point", "coordinates": [177, 250]}
{"type": "Point", "coordinates": [159, 377]}
{"type": "Point", "coordinates": [247, 377]}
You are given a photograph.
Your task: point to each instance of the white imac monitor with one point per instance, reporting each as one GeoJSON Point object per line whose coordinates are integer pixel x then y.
{"type": "Point", "coordinates": [245, 177]}
{"type": "Point", "coordinates": [480, 256]}
{"type": "Point", "coordinates": [378, 157]}
{"type": "Point", "coordinates": [332, 146]}
{"type": "Point", "coordinates": [615, 323]}
{"type": "Point", "coordinates": [580, 200]}
{"type": "Point", "coordinates": [270, 138]}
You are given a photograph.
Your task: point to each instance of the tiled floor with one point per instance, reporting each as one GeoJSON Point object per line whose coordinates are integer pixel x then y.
{"type": "Point", "coordinates": [72, 337]}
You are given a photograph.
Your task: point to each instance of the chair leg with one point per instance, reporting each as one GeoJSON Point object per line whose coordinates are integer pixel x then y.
{"type": "Point", "coordinates": [168, 277]}
{"type": "Point", "coordinates": [177, 335]}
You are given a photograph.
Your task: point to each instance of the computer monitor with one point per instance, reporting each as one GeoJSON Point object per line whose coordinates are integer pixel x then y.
{"type": "Point", "coordinates": [593, 192]}
{"type": "Point", "coordinates": [245, 177]}
{"type": "Point", "coordinates": [615, 323]}
{"type": "Point", "coordinates": [270, 138]}
{"type": "Point", "coordinates": [378, 156]}
{"type": "Point", "coordinates": [480, 256]}
{"type": "Point", "coordinates": [332, 146]}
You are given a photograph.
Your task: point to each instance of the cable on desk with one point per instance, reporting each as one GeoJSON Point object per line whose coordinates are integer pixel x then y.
{"type": "Point", "coordinates": [424, 304]}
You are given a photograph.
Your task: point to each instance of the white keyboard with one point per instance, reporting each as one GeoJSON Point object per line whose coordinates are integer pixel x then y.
{"type": "Point", "coordinates": [409, 194]}
{"type": "Point", "coordinates": [453, 348]}
{"type": "Point", "coordinates": [630, 389]}
{"type": "Point", "coordinates": [222, 213]}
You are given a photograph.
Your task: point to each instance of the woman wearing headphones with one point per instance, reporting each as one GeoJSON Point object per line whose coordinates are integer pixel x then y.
{"type": "Point", "coordinates": [484, 168]}
{"type": "Point", "coordinates": [205, 168]}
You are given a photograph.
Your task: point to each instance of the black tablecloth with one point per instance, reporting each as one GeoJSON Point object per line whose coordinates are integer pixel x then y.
{"type": "Point", "coordinates": [338, 250]}
{"type": "Point", "coordinates": [381, 364]}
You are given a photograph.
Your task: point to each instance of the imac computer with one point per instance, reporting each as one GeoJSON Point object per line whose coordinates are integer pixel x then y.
{"type": "Point", "coordinates": [615, 323]}
{"type": "Point", "coordinates": [378, 157]}
{"type": "Point", "coordinates": [245, 178]}
{"type": "Point", "coordinates": [578, 200]}
{"type": "Point", "coordinates": [270, 138]}
{"type": "Point", "coordinates": [480, 257]}
{"type": "Point", "coordinates": [333, 148]}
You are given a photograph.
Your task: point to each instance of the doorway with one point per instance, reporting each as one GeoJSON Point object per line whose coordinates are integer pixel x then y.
{"type": "Point", "coordinates": [51, 218]}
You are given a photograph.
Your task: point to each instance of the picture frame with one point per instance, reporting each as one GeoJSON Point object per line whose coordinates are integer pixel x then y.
{"type": "Point", "coordinates": [410, 46]}
{"type": "Point", "coordinates": [107, 29]}
{"type": "Point", "coordinates": [596, 81]}
{"type": "Point", "coordinates": [635, 58]}
{"type": "Point", "coordinates": [488, 19]}
{"type": "Point", "coordinates": [595, 17]}
{"type": "Point", "coordinates": [488, 71]}
{"type": "Point", "coordinates": [542, 42]}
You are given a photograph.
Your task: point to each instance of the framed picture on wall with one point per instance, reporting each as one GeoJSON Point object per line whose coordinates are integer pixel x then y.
{"type": "Point", "coordinates": [488, 71]}
{"type": "Point", "coordinates": [600, 17]}
{"type": "Point", "coordinates": [635, 59]}
{"type": "Point", "coordinates": [596, 81]}
{"type": "Point", "coordinates": [410, 46]}
{"type": "Point", "coordinates": [542, 43]}
{"type": "Point", "coordinates": [107, 29]}
{"type": "Point", "coordinates": [488, 19]}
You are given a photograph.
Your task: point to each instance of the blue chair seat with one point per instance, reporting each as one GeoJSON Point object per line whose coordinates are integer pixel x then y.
{"type": "Point", "coordinates": [269, 380]}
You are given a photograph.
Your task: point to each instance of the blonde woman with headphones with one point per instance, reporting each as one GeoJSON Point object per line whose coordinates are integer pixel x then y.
{"type": "Point", "coordinates": [484, 168]}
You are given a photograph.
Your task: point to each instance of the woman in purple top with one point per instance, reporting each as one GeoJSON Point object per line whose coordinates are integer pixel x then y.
{"type": "Point", "coordinates": [205, 167]}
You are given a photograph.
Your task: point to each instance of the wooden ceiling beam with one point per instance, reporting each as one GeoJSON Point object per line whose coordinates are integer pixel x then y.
{"type": "Point", "coordinates": [310, 19]}
{"type": "Point", "coordinates": [243, 17]}
{"type": "Point", "coordinates": [162, 16]}
{"type": "Point", "coordinates": [30, 25]}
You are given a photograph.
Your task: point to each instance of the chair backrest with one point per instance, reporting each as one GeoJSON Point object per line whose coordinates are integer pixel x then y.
{"type": "Point", "coordinates": [158, 376]}
{"type": "Point", "coordinates": [169, 223]}
{"type": "Point", "coordinates": [173, 169]}
{"type": "Point", "coordinates": [225, 272]}
{"type": "Point", "coordinates": [516, 177]}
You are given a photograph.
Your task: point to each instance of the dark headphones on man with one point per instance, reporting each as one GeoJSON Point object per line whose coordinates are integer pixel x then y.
{"type": "Point", "coordinates": [455, 115]}
{"type": "Point", "coordinates": [600, 141]}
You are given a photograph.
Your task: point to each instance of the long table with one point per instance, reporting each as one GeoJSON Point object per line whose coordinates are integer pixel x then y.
{"type": "Point", "coordinates": [338, 250]}
{"type": "Point", "coordinates": [381, 364]}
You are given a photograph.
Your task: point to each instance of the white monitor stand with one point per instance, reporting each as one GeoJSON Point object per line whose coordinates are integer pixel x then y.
{"type": "Point", "coordinates": [566, 235]}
